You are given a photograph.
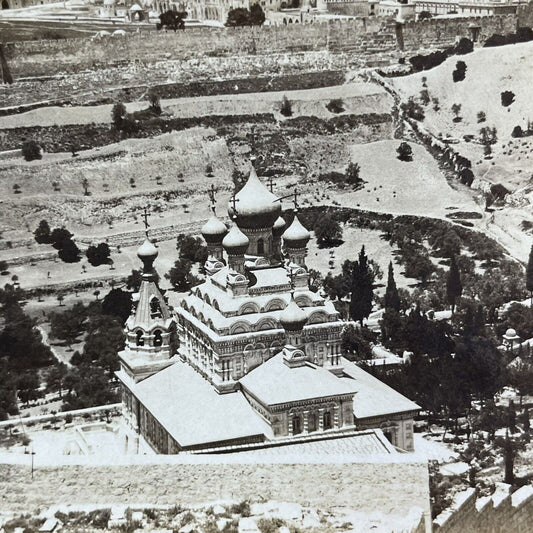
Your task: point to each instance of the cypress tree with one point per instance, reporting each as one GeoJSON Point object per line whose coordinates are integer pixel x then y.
{"type": "Point", "coordinates": [392, 299]}
{"type": "Point", "coordinates": [529, 275]}
{"type": "Point", "coordinates": [454, 288]}
{"type": "Point", "coordinates": [508, 454]}
{"type": "Point", "coordinates": [362, 288]}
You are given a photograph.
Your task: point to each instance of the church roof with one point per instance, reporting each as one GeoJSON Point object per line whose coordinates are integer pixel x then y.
{"type": "Point", "coordinates": [191, 410]}
{"type": "Point", "coordinates": [235, 242]}
{"type": "Point", "coordinates": [214, 230]}
{"type": "Point", "coordinates": [296, 236]}
{"type": "Point", "coordinates": [150, 299]}
{"type": "Point", "coordinates": [374, 398]}
{"type": "Point", "coordinates": [256, 206]}
{"type": "Point", "coordinates": [274, 382]}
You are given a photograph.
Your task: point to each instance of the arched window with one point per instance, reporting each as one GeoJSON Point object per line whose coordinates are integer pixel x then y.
{"type": "Point", "coordinates": [155, 308]}
{"type": "Point", "coordinates": [140, 340]}
{"type": "Point", "coordinates": [326, 418]}
{"type": "Point", "coordinates": [260, 246]}
{"type": "Point", "coordinates": [296, 425]}
{"type": "Point", "coordinates": [158, 338]}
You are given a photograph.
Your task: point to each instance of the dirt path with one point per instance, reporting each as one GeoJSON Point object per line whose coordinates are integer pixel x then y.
{"type": "Point", "coordinates": [359, 98]}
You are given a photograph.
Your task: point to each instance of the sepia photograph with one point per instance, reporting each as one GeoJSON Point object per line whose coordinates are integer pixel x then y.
{"type": "Point", "coordinates": [266, 266]}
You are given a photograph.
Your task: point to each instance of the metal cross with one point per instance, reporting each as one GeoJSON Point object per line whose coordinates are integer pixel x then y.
{"type": "Point", "coordinates": [212, 198]}
{"type": "Point", "coordinates": [233, 201]}
{"type": "Point", "coordinates": [292, 276]}
{"type": "Point", "coordinates": [270, 181]}
{"type": "Point", "coordinates": [145, 217]}
{"type": "Point", "coordinates": [295, 200]}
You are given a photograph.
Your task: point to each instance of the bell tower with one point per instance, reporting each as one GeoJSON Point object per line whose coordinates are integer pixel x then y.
{"type": "Point", "coordinates": [151, 332]}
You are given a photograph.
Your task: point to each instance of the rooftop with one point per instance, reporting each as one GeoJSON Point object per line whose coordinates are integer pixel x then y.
{"type": "Point", "coordinates": [190, 409]}
{"type": "Point", "coordinates": [274, 382]}
{"type": "Point", "coordinates": [373, 397]}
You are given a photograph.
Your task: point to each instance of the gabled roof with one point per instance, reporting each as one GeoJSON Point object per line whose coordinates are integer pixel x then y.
{"type": "Point", "coordinates": [274, 382]}
{"type": "Point", "coordinates": [191, 410]}
{"type": "Point", "coordinates": [374, 398]}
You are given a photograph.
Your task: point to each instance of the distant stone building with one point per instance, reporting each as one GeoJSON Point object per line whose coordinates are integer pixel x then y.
{"type": "Point", "coordinates": [259, 358]}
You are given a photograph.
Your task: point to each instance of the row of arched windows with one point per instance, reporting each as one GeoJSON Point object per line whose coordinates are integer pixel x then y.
{"type": "Point", "coordinates": [140, 338]}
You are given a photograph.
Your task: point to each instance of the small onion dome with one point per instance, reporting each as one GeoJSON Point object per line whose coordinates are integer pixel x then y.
{"type": "Point", "coordinates": [293, 317]}
{"type": "Point", "coordinates": [147, 253]}
{"type": "Point", "coordinates": [235, 242]}
{"type": "Point", "coordinates": [510, 334]}
{"type": "Point", "coordinates": [256, 207]}
{"type": "Point", "coordinates": [296, 236]}
{"type": "Point", "coordinates": [278, 227]}
{"type": "Point", "coordinates": [214, 230]}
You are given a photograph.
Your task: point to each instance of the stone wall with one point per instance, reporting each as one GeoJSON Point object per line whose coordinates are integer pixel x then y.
{"type": "Point", "coordinates": [375, 38]}
{"type": "Point", "coordinates": [391, 488]}
{"type": "Point", "coordinates": [502, 512]}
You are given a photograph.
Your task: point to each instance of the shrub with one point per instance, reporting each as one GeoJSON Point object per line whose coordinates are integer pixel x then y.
{"type": "Point", "coordinates": [413, 109]}
{"type": "Point", "coordinates": [424, 15]}
{"type": "Point", "coordinates": [460, 71]}
{"type": "Point", "coordinates": [118, 112]}
{"type": "Point", "coordinates": [424, 97]}
{"type": "Point", "coordinates": [98, 255]}
{"type": "Point", "coordinates": [464, 46]}
{"type": "Point", "coordinates": [481, 117]}
{"type": "Point", "coordinates": [31, 151]}
{"type": "Point", "coordinates": [507, 98]}
{"type": "Point", "coordinates": [405, 152]}
{"type": "Point", "coordinates": [336, 105]}
{"type": "Point", "coordinates": [286, 107]}
{"type": "Point", "coordinates": [517, 132]}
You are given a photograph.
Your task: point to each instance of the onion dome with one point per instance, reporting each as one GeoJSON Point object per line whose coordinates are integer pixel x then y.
{"type": "Point", "coordinates": [147, 253]}
{"type": "Point", "coordinates": [278, 227]}
{"type": "Point", "coordinates": [293, 317]}
{"type": "Point", "coordinates": [296, 236]}
{"type": "Point", "coordinates": [235, 242]}
{"type": "Point", "coordinates": [256, 207]}
{"type": "Point", "coordinates": [214, 230]}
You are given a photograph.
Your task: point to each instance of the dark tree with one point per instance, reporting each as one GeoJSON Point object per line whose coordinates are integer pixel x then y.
{"type": "Point", "coordinates": [257, 15]}
{"type": "Point", "coordinates": [529, 275]}
{"type": "Point", "coordinates": [362, 288]}
{"type": "Point", "coordinates": [508, 457]}
{"type": "Point", "coordinates": [405, 152]}
{"type": "Point", "coordinates": [98, 255]}
{"type": "Point", "coordinates": [55, 378]}
{"type": "Point", "coordinates": [117, 303]}
{"type": "Point", "coordinates": [87, 386]}
{"type": "Point", "coordinates": [241, 16]}
{"type": "Point", "coordinates": [180, 276]}
{"type": "Point", "coordinates": [507, 98]}
{"type": "Point", "coordinates": [352, 174]}
{"type": "Point", "coordinates": [118, 112]}
{"type": "Point", "coordinates": [356, 343]}
{"type": "Point", "coordinates": [70, 253]}
{"type": "Point", "coordinates": [28, 386]}
{"type": "Point", "coordinates": [392, 299]}
{"type": "Point", "coordinates": [155, 101]}
{"type": "Point", "coordinates": [133, 282]}
{"type": "Point", "coordinates": [31, 151]}
{"type": "Point", "coordinates": [3, 267]}
{"type": "Point", "coordinates": [460, 71]}
{"type": "Point", "coordinates": [286, 107]}
{"type": "Point", "coordinates": [59, 237]}
{"type": "Point", "coordinates": [42, 233]}
{"type": "Point", "coordinates": [454, 287]}
{"type": "Point", "coordinates": [68, 326]}
{"type": "Point", "coordinates": [328, 231]}
{"type": "Point", "coordinates": [511, 414]}
{"type": "Point", "coordinates": [191, 248]}
{"type": "Point", "coordinates": [173, 20]}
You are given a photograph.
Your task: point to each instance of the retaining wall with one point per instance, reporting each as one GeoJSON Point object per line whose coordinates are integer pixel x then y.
{"type": "Point", "coordinates": [502, 512]}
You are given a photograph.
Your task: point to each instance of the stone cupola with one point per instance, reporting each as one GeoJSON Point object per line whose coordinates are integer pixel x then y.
{"type": "Point", "coordinates": [213, 232]}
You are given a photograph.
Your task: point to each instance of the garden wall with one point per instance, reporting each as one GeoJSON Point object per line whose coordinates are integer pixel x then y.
{"type": "Point", "coordinates": [500, 513]}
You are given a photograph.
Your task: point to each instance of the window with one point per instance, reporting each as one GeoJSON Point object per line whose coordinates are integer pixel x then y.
{"type": "Point", "coordinates": [311, 422]}
{"type": "Point", "coordinates": [327, 420]}
{"type": "Point", "coordinates": [260, 246]}
{"type": "Point", "coordinates": [140, 340]}
{"type": "Point", "coordinates": [158, 338]}
{"type": "Point", "coordinates": [296, 425]}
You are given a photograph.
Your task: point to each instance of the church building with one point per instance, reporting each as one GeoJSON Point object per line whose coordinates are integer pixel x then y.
{"type": "Point", "coordinates": [251, 357]}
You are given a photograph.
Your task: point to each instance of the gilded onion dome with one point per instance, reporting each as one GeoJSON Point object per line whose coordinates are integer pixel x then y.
{"type": "Point", "coordinates": [293, 317]}
{"type": "Point", "coordinates": [296, 236]}
{"type": "Point", "coordinates": [235, 242]}
{"type": "Point", "coordinates": [147, 253]}
{"type": "Point", "coordinates": [278, 227]}
{"type": "Point", "coordinates": [256, 207]}
{"type": "Point", "coordinates": [214, 230]}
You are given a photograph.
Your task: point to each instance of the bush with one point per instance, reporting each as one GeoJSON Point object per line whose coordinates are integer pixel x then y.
{"type": "Point", "coordinates": [98, 255]}
{"type": "Point", "coordinates": [286, 107]}
{"type": "Point", "coordinates": [413, 109]}
{"type": "Point", "coordinates": [507, 98]}
{"type": "Point", "coordinates": [464, 46]}
{"type": "Point", "coordinates": [460, 71]}
{"type": "Point", "coordinates": [405, 152]}
{"type": "Point", "coordinates": [517, 132]}
{"type": "Point", "coordinates": [31, 151]}
{"type": "Point", "coordinates": [481, 117]}
{"type": "Point", "coordinates": [335, 106]}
